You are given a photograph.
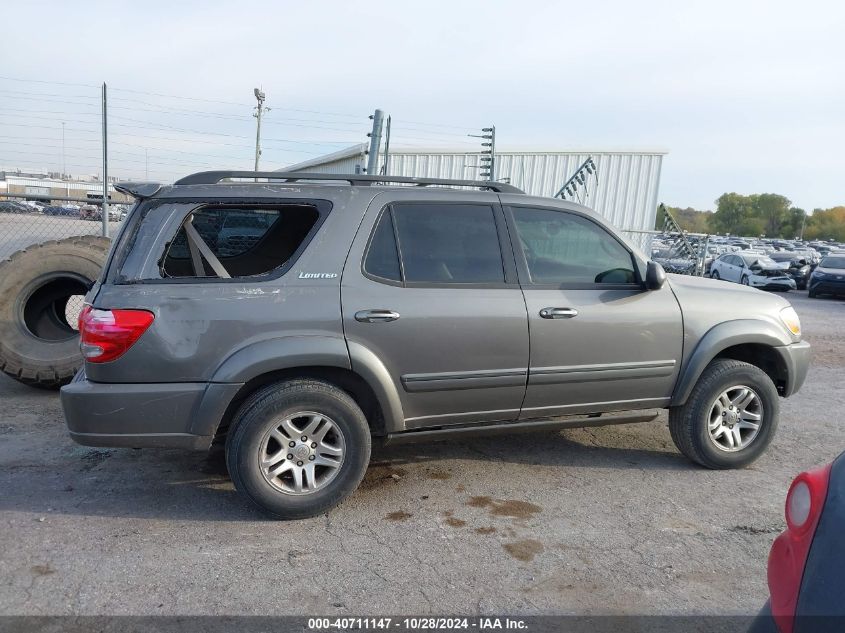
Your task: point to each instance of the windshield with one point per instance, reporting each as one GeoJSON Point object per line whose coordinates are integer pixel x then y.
{"type": "Point", "coordinates": [833, 262]}
{"type": "Point", "coordinates": [783, 257]}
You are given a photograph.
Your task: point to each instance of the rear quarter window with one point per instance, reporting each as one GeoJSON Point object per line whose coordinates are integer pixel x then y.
{"type": "Point", "coordinates": [246, 241]}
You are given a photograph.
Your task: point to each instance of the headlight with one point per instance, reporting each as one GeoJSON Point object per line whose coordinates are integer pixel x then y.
{"type": "Point", "coordinates": [818, 275]}
{"type": "Point", "coordinates": [790, 320]}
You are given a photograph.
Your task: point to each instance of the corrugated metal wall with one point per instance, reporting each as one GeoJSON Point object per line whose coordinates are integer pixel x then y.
{"type": "Point", "coordinates": [624, 190]}
{"type": "Point", "coordinates": [353, 161]}
{"type": "Point", "coordinates": [342, 166]}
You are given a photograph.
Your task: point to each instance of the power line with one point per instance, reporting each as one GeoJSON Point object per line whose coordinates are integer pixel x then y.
{"type": "Point", "coordinates": [42, 81]}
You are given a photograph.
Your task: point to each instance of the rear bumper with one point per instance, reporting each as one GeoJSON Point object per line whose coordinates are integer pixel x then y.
{"type": "Point", "coordinates": [796, 358]}
{"type": "Point", "coordinates": [158, 415]}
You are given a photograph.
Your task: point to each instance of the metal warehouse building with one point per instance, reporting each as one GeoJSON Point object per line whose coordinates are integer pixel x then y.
{"type": "Point", "coordinates": [624, 190]}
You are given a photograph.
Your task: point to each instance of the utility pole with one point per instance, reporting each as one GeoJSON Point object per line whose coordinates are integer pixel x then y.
{"type": "Point", "coordinates": [487, 169]}
{"type": "Point", "coordinates": [146, 164]}
{"type": "Point", "coordinates": [259, 110]}
{"type": "Point", "coordinates": [375, 141]}
{"type": "Point", "coordinates": [63, 150]}
{"type": "Point", "coordinates": [105, 207]}
{"type": "Point", "coordinates": [386, 147]}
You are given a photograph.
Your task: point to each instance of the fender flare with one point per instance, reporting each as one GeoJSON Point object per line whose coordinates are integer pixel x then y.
{"type": "Point", "coordinates": [267, 356]}
{"type": "Point", "coordinates": [720, 338]}
{"type": "Point", "coordinates": [366, 364]}
{"type": "Point", "coordinates": [274, 354]}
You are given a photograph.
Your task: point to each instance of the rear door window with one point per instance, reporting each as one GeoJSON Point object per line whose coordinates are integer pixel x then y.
{"type": "Point", "coordinates": [438, 243]}
{"type": "Point", "coordinates": [382, 258]}
{"type": "Point", "coordinates": [442, 243]}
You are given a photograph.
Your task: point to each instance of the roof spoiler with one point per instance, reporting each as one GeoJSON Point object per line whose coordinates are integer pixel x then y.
{"type": "Point", "coordinates": [138, 190]}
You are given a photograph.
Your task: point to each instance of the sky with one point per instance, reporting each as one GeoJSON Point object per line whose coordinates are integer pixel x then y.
{"type": "Point", "coordinates": [744, 96]}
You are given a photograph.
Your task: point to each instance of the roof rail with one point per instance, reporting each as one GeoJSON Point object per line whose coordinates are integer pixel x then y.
{"type": "Point", "coordinates": [214, 177]}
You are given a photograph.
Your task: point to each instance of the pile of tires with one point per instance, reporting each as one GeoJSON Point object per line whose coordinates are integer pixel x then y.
{"type": "Point", "coordinates": [41, 291]}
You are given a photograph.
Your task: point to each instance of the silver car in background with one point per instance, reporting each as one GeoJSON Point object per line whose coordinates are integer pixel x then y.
{"type": "Point", "coordinates": [752, 269]}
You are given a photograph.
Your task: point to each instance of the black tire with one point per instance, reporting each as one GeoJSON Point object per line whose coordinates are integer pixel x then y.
{"type": "Point", "coordinates": [744, 280]}
{"type": "Point", "coordinates": [268, 407]}
{"type": "Point", "coordinates": [715, 275]}
{"type": "Point", "coordinates": [39, 286]}
{"type": "Point", "coordinates": [688, 423]}
{"type": "Point", "coordinates": [812, 294]}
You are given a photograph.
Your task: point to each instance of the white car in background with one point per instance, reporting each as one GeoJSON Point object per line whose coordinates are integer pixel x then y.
{"type": "Point", "coordinates": [751, 269]}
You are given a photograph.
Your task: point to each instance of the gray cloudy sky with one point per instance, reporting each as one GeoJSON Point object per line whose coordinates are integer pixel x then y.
{"type": "Point", "coordinates": [745, 96]}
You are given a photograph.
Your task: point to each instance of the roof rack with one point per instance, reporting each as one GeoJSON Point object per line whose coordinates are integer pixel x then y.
{"type": "Point", "coordinates": [214, 177]}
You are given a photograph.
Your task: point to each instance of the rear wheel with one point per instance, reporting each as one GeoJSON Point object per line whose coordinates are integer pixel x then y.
{"type": "Point", "coordinates": [298, 448]}
{"type": "Point", "coordinates": [730, 417]}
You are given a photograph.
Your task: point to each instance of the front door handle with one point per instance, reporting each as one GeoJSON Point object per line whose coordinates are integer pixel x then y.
{"type": "Point", "coordinates": [558, 313]}
{"type": "Point", "coordinates": [376, 316]}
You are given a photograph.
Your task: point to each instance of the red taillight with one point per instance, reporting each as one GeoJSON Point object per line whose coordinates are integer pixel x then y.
{"type": "Point", "coordinates": [804, 505]}
{"type": "Point", "coordinates": [107, 334]}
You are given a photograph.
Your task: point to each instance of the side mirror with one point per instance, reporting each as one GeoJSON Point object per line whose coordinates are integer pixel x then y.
{"type": "Point", "coordinates": [655, 276]}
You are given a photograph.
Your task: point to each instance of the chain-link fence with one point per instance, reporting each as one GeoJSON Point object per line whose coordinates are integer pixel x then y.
{"type": "Point", "coordinates": [25, 221]}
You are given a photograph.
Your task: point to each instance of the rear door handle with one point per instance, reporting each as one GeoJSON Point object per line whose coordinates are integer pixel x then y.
{"type": "Point", "coordinates": [558, 313]}
{"type": "Point", "coordinates": [376, 316]}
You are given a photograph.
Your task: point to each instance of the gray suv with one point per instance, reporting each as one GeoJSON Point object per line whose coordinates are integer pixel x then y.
{"type": "Point", "coordinates": [300, 317]}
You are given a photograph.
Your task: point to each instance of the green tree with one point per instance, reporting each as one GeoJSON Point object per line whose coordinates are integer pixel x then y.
{"type": "Point", "coordinates": [826, 224]}
{"type": "Point", "coordinates": [757, 214]}
{"type": "Point", "coordinates": [688, 219]}
{"type": "Point", "coordinates": [734, 214]}
{"type": "Point", "coordinates": [773, 210]}
{"type": "Point", "coordinates": [794, 223]}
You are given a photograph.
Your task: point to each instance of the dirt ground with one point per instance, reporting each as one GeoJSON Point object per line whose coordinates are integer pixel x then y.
{"type": "Point", "coordinates": [604, 521]}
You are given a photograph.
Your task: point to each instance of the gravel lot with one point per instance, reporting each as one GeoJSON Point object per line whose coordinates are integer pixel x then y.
{"type": "Point", "coordinates": [608, 520]}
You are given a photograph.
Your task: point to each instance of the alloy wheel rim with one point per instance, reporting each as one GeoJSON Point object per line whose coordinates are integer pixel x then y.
{"type": "Point", "coordinates": [302, 453]}
{"type": "Point", "coordinates": [735, 419]}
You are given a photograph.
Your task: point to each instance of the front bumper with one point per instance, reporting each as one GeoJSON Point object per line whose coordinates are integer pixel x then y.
{"type": "Point", "coordinates": [769, 283]}
{"type": "Point", "coordinates": [827, 286]}
{"type": "Point", "coordinates": [796, 358]}
{"type": "Point", "coordinates": [157, 415]}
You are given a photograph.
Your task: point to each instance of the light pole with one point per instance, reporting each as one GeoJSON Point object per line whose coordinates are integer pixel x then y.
{"type": "Point", "coordinates": [63, 150]}
{"type": "Point", "coordinates": [259, 109]}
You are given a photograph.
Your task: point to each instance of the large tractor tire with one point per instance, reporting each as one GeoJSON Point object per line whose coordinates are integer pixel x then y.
{"type": "Point", "coordinates": [41, 292]}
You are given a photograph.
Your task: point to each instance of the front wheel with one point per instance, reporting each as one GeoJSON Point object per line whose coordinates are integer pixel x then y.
{"type": "Point", "coordinates": [298, 448]}
{"type": "Point", "coordinates": [744, 280]}
{"type": "Point", "coordinates": [714, 275]}
{"type": "Point", "coordinates": [730, 417]}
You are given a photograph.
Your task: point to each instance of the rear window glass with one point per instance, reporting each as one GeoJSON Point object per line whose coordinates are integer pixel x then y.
{"type": "Point", "coordinates": [244, 241]}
